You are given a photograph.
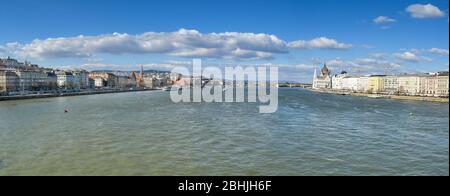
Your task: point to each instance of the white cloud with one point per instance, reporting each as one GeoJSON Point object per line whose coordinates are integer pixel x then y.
{"type": "Point", "coordinates": [364, 66]}
{"type": "Point", "coordinates": [377, 55]}
{"type": "Point", "coordinates": [411, 57]}
{"type": "Point", "coordinates": [126, 67]}
{"type": "Point", "coordinates": [439, 51]}
{"type": "Point", "coordinates": [337, 62]}
{"type": "Point", "coordinates": [319, 43]}
{"type": "Point", "coordinates": [376, 63]}
{"type": "Point", "coordinates": [184, 43]}
{"type": "Point", "coordinates": [383, 20]}
{"type": "Point", "coordinates": [181, 43]}
{"type": "Point", "coordinates": [305, 66]}
{"type": "Point", "coordinates": [424, 11]}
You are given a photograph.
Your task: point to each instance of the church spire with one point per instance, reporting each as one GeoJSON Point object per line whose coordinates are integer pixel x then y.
{"type": "Point", "coordinates": [141, 75]}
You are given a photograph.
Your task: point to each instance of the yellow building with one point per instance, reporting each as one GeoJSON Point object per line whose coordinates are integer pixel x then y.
{"type": "Point", "coordinates": [376, 83]}
{"type": "Point", "coordinates": [411, 84]}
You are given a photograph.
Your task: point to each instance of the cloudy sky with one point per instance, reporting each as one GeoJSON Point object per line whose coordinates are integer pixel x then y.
{"type": "Point", "coordinates": [361, 37]}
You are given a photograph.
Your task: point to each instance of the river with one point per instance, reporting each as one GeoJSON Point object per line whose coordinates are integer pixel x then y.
{"type": "Point", "coordinates": [144, 133]}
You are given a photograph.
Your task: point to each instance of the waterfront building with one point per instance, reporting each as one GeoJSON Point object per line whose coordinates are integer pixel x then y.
{"type": "Point", "coordinates": [91, 83]}
{"type": "Point", "coordinates": [423, 79]}
{"type": "Point", "coordinates": [99, 82]}
{"type": "Point", "coordinates": [351, 83]}
{"type": "Point", "coordinates": [442, 84]}
{"type": "Point", "coordinates": [126, 82]}
{"type": "Point", "coordinates": [67, 80]}
{"type": "Point", "coordinates": [83, 76]}
{"type": "Point", "coordinates": [9, 81]}
{"type": "Point", "coordinates": [435, 84]}
{"type": "Point", "coordinates": [336, 80]}
{"type": "Point", "coordinates": [410, 84]}
{"type": "Point", "coordinates": [363, 85]}
{"type": "Point", "coordinates": [391, 84]}
{"type": "Point", "coordinates": [31, 79]}
{"type": "Point", "coordinates": [376, 83]}
{"type": "Point", "coordinates": [322, 81]}
{"type": "Point", "coordinates": [110, 79]}
{"type": "Point", "coordinates": [51, 81]}
{"type": "Point", "coordinates": [150, 82]}
{"type": "Point", "coordinates": [439, 85]}
{"type": "Point", "coordinates": [430, 86]}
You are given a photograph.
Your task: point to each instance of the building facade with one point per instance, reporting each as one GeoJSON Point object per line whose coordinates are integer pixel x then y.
{"type": "Point", "coordinates": [391, 84]}
{"type": "Point", "coordinates": [83, 76]}
{"type": "Point", "coordinates": [99, 82]}
{"type": "Point", "coordinates": [351, 83]}
{"type": "Point", "coordinates": [376, 83]}
{"type": "Point", "coordinates": [111, 80]}
{"type": "Point", "coordinates": [363, 85]}
{"type": "Point", "coordinates": [337, 80]}
{"type": "Point", "coordinates": [322, 81]}
{"type": "Point", "coordinates": [9, 82]}
{"type": "Point", "coordinates": [410, 84]}
{"type": "Point", "coordinates": [126, 82]}
{"type": "Point", "coordinates": [67, 80]}
{"type": "Point", "coordinates": [427, 84]}
{"type": "Point", "coordinates": [52, 81]}
{"type": "Point", "coordinates": [32, 80]}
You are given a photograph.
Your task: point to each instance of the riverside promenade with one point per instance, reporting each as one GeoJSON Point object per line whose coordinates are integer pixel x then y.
{"type": "Point", "coordinates": [68, 94]}
{"type": "Point", "coordinates": [381, 96]}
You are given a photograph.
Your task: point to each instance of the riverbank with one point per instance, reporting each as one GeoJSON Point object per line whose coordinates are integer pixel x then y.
{"type": "Point", "coordinates": [69, 94]}
{"type": "Point", "coordinates": [379, 96]}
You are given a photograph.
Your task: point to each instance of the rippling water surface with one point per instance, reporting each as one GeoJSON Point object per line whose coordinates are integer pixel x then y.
{"type": "Point", "coordinates": [144, 133]}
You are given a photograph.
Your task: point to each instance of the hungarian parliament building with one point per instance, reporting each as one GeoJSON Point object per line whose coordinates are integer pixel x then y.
{"type": "Point", "coordinates": [426, 84]}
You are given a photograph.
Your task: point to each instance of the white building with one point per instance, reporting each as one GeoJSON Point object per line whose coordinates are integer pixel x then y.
{"type": "Point", "coordinates": [99, 82]}
{"type": "Point", "coordinates": [351, 83]}
{"type": "Point", "coordinates": [363, 85]}
{"type": "Point", "coordinates": [391, 84]}
{"type": "Point", "coordinates": [67, 80]}
{"type": "Point", "coordinates": [322, 81]}
{"type": "Point", "coordinates": [336, 80]}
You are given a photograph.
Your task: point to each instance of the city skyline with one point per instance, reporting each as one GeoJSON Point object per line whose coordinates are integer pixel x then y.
{"type": "Point", "coordinates": [298, 36]}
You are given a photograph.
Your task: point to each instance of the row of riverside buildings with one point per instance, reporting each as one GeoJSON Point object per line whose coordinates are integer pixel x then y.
{"type": "Point", "coordinates": [26, 78]}
{"type": "Point", "coordinates": [427, 84]}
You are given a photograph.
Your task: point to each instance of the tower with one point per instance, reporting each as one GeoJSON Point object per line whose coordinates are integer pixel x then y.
{"type": "Point", "coordinates": [325, 71]}
{"type": "Point", "coordinates": [315, 79]}
{"type": "Point", "coordinates": [139, 78]}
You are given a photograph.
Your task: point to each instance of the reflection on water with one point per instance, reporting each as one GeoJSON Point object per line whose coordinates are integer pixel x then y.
{"type": "Point", "coordinates": [144, 133]}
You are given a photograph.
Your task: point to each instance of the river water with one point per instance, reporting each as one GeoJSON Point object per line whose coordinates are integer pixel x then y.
{"type": "Point", "coordinates": [144, 133]}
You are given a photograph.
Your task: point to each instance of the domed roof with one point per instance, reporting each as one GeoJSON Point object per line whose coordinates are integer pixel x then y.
{"type": "Point", "coordinates": [325, 71]}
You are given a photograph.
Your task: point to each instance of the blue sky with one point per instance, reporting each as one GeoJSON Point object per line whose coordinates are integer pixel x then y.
{"type": "Point", "coordinates": [297, 35]}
